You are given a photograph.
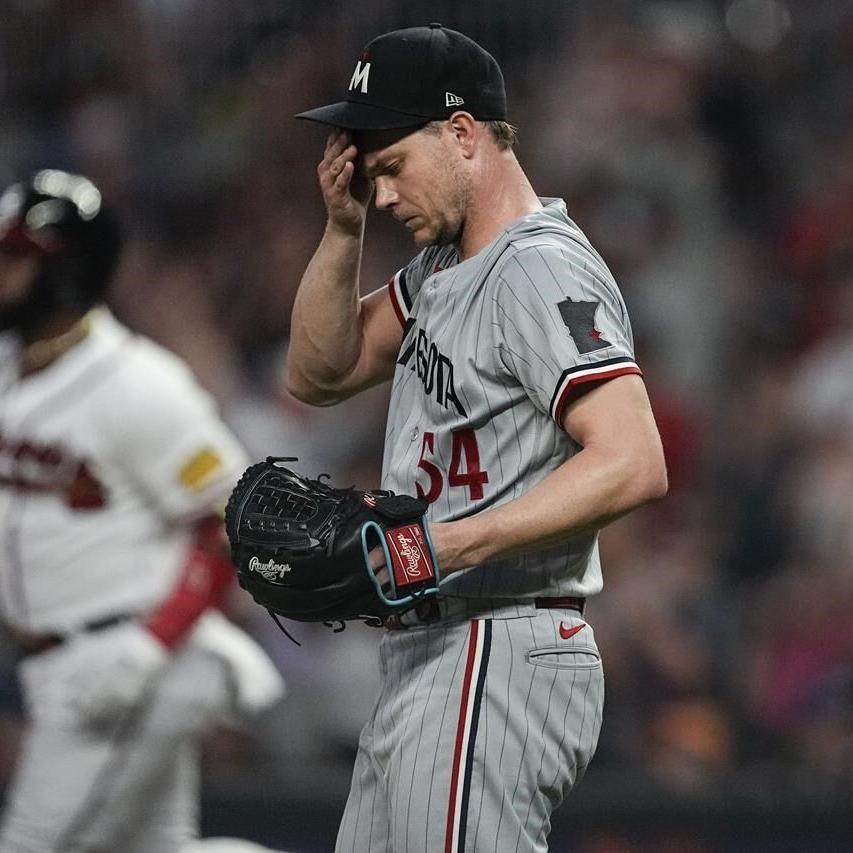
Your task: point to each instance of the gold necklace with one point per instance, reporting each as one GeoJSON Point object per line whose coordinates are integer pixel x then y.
{"type": "Point", "coordinates": [40, 354]}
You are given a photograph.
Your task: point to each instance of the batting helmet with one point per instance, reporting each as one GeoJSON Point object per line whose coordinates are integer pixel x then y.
{"type": "Point", "coordinates": [59, 218]}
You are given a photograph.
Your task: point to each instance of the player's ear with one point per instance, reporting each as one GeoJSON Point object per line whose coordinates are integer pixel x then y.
{"type": "Point", "coordinates": [464, 129]}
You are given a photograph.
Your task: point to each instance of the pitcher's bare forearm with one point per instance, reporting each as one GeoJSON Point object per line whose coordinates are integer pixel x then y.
{"type": "Point", "coordinates": [326, 330]}
{"type": "Point", "coordinates": [326, 324]}
{"type": "Point", "coordinates": [340, 343]}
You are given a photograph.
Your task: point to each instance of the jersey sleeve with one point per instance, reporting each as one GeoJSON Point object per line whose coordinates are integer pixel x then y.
{"type": "Point", "coordinates": [174, 443]}
{"type": "Point", "coordinates": [560, 323]}
{"type": "Point", "coordinates": [405, 285]}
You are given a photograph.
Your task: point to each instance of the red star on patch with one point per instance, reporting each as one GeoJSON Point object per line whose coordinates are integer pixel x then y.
{"type": "Point", "coordinates": [595, 335]}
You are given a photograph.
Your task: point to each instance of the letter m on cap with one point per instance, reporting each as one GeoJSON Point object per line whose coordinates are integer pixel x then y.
{"type": "Point", "coordinates": [359, 77]}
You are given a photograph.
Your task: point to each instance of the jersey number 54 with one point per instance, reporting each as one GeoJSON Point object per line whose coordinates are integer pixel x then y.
{"type": "Point", "coordinates": [464, 469]}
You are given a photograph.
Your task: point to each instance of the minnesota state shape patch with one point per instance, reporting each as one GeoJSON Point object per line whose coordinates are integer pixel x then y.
{"type": "Point", "coordinates": [579, 318]}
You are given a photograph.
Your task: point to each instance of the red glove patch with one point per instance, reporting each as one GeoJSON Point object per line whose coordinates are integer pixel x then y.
{"type": "Point", "coordinates": [411, 560]}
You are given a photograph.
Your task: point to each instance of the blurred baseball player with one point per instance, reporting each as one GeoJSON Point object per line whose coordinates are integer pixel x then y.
{"type": "Point", "coordinates": [517, 410]}
{"type": "Point", "coordinates": [113, 466]}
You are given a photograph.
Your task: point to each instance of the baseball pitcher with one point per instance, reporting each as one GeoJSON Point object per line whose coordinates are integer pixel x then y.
{"type": "Point", "coordinates": [519, 425]}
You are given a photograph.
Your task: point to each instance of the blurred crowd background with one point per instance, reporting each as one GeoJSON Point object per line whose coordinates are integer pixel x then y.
{"type": "Point", "coordinates": [707, 150]}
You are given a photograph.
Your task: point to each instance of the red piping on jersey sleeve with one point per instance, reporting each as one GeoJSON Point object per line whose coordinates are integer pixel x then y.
{"type": "Point", "coordinates": [204, 580]}
{"type": "Point", "coordinates": [392, 292]}
{"type": "Point", "coordinates": [574, 384]}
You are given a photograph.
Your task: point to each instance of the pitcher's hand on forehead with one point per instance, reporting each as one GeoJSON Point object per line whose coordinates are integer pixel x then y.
{"type": "Point", "coordinates": [345, 192]}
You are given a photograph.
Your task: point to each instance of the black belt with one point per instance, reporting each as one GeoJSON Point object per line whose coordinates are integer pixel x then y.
{"type": "Point", "coordinates": [31, 644]}
{"type": "Point", "coordinates": [430, 611]}
{"type": "Point", "coordinates": [566, 602]}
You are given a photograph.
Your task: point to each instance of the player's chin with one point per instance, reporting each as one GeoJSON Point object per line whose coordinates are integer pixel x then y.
{"type": "Point", "coordinates": [430, 235]}
{"type": "Point", "coordinates": [423, 236]}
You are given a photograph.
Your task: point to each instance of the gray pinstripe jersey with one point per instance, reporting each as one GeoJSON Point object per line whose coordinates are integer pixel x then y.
{"type": "Point", "coordinates": [492, 348]}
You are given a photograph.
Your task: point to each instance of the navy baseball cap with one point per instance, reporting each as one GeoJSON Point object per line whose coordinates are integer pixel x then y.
{"type": "Point", "coordinates": [409, 77]}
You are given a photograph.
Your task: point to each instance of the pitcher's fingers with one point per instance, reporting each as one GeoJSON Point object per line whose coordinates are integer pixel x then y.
{"type": "Point", "coordinates": [342, 181]}
{"type": "Point", "coordinates": [335, 166]}
{"type": "Point", "coordinates": [337, 142]}
{"type": "Point", "coordinates": [330, 155]}
{"type": "Point", "coordinates": [347, 155]}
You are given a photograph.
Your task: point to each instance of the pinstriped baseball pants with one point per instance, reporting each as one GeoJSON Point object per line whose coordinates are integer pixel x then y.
{"type": "Point", "coordinates": [481, 729]}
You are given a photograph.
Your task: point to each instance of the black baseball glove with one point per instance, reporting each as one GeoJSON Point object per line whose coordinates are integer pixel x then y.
{"type": "Point", "coordinates": [302, 548]}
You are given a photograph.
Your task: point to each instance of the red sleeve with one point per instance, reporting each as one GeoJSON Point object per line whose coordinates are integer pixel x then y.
{"type": "Point", "coordinates": [572, 379]}
{"type": "Point", "coordinates": [399, 296]}
{"type": "Point", "coordinates": [204, 580]}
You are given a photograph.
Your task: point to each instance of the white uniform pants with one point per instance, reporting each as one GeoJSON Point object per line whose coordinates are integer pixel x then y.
{"type": "Point", "coordinates": [133, 788]}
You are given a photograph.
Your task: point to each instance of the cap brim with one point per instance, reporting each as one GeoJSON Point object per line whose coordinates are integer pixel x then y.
{"type": "Point", "coordinates": [355, 116]}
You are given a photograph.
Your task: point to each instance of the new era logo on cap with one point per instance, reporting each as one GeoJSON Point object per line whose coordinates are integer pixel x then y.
{"type": "Point", "coordinates": [406, 78]}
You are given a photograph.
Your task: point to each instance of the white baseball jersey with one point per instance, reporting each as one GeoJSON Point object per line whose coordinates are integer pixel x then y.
{"type": "Point", "coordinates": [493, 347]}
{"type": "Point", "coordinates": [102, 455]}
